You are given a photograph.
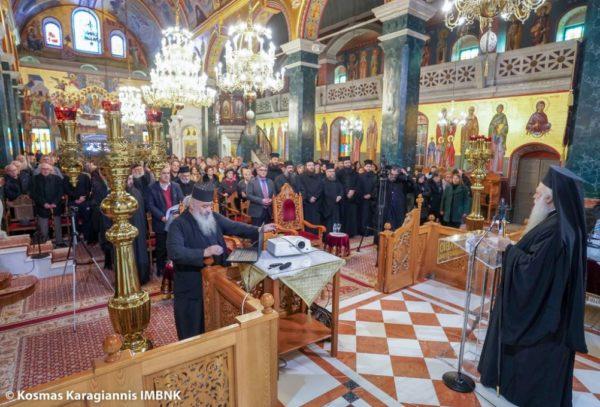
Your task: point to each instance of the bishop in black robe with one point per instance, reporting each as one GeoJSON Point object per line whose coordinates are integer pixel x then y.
{"type": "Point", "coordinates": [187, 247]}
{"type": "Point", "coordinates": [536, 325]}
{"type": "Point", "coordinates": [311, 188]}
{"type": "Point", "coordinates": [349, 213]}
{"type": "Point", "coordinates": [398, 186]}
{"type": "Point", "coordinates": [333, 191]}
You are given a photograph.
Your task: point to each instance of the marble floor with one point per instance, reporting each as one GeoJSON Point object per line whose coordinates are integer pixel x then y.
{"type": "Point", "coordinates": [394, 349]}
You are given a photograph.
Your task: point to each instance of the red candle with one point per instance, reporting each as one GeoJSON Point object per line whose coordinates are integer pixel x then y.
{"type": "Point", "coordinates": [65, 113]}
{"type": "Point", "coordinates": [110, 106]}
{"type": "Point", "coordinates": [154, 115]}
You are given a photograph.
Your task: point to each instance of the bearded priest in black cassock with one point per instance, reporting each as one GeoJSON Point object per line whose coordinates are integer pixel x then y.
{"type": "Point", "coordinates": [195, 235]}
{"type": "Point", "coordinates": [536, 325]}
{"type": "Point", "coordinates": [310, 186]}
{"type": "Point", "coordinates": [333, 192]}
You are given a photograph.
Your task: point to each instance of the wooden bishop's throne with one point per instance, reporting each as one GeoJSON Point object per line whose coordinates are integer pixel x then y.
{"type": "Point", "coordinates": [288, 215]}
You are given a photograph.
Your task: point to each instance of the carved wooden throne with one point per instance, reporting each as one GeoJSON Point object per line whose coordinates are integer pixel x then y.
{"type": "Point", "coordinates": [288, 213]}
{"type": "Point", "coordinates": [398, 253]}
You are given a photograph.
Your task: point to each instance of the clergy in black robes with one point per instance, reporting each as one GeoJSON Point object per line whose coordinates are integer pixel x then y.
{"type": "Point", "coordinates": [333, 191]}
{"type": "Point", "coordinates": [185, 180]}
{"type": "Point", "coordinates": [193, 236]}
{"type": "Point", "coordinates": [274, 169]}
{"type": "Point", "coordinates": [349, 208]}
{"type": "Point", "coordinates": [398, 185]}
{"type": "Point", "coordinates": [287, 177]}
{"type": "Point", "coordinates": [140, 246]}
{"type": "Point", "coordinates": [78, 196]}
{"type": "Point", "coordinates": [311, 188]}
{"type": "Point", "coordinates": [367, 194]}
{"type": "Point", "coordinates": [536, 324]}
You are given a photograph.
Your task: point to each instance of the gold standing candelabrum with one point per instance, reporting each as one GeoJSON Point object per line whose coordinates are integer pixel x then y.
{"type": "Point", "coordinates": [129, 308]}
{"type": "Point", "coordinates": [158, 147]}
{"type": "Point", "coordinates": [478, 153]}
{"type": "Point", "coordinates": [71, 158]}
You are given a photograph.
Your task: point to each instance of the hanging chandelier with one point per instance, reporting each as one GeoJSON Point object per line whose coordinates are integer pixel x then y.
{"type": "Point", "coordinates": [249, 66]}
{"type": "Point", "coordinates": [132, 107]}
{"type": "Point", "coordinates": [461, 12]}
{"type": "Point", "coordinates": [177, 78]}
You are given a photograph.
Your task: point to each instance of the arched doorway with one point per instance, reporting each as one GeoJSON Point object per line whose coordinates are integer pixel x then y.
{"type": "Point", "coordinates": [529, 164]}
{"type": "Point", "coordinates": [341, 142]}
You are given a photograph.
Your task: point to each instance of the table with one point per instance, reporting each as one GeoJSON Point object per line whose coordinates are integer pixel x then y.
{"type": "Point", "coordinates": [307, 277]}
{"type": "Point", "coordinates": [338, 243]}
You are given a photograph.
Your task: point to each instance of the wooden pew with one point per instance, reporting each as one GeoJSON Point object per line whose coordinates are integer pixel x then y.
{"type": "Point", "coordinates": [234, 363]}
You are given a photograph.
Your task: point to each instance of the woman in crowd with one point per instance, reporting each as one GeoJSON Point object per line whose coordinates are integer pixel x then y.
{"type": "Point", "coordinates": [423, 188]}
{"type": "Point", "coordinates": [455, 202]}
{"type": "Point", "coordinates": [210, 180]}
{"type": "Point", "coordinates": [436, 190]}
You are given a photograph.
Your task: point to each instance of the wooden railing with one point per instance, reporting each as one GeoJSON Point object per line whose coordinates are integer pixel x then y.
{"type": "Point", "coordinates": [397, 258]}
{"type": "Point", "coordinates": [230, 365]}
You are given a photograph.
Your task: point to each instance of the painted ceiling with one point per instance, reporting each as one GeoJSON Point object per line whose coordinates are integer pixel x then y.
{"type": "Point", "coordinates": [144, 18]}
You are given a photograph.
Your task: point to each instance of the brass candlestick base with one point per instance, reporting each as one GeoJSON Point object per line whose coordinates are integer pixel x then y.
{"type": "Point", "coordinates": [129, 309]}
{"type": "Point", "coordinates": [478, 153]}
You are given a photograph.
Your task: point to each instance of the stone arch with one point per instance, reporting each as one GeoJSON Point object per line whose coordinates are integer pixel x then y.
{"type": "Point", "coordinates": [337, 43]}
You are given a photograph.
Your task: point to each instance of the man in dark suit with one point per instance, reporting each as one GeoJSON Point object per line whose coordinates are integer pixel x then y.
{"type": "Point", "coordinates": [260, 193]}
{"type": "Point", "coordinates": [12, 184]}
{"type": "Point", "coordinates": [195, 235]}
{"type": "Point", "coordinates": [162, 195]}
{"type": "Point", "coordinates": [47, 193]}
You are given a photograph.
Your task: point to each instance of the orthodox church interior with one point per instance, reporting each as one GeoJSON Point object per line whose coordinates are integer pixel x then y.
{"type": "Point", "coordinates": [501, 91]}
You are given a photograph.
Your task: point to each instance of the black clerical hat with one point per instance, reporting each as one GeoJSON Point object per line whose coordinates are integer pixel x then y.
{"type": "Point", "coordinates": [329, 166]}
{"type": "Point", "coordinates": [344, 158]}
{"type": "Point", "coordinates": [288, 163]}
{"type": "Point", "coordinates": [555, 171]}
{"type": "Point", "coordinates": [184, 169]}
{"type": "Point", "coordinates": [273, 155]}
{"type": "Point", "coordinates": [202, 194]}
{"type": "Point", "coordinates": [368, 162]}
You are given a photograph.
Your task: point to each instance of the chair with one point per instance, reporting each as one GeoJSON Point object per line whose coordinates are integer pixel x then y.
{"type": "Point", "coordinates": [288, 214]}
{"type": "Point", "coordinates": [491, 195]}
{"type": "Point", "coordinates": [19, 215]}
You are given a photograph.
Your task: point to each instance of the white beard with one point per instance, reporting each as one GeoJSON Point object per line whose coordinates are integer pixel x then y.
{"type": "Point", "coordinates": [206, 223]}
{"type": "Point", "coordinates": [539, 212]}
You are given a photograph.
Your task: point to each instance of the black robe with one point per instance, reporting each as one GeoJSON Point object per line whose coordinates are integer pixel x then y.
{"type": "Point", "coordinates": [331, 208]}
{"type": "Point", "coordinates": [281, 180]}
{"type": "Point", "coordinates": [185, 246]}
{"type": "Point", "coordinates": [139, 220]}
{"type": "Point", "coordinates": [273, 171]}
{"type": "Point", "coordinates": [395, 201]}
{"type": "Point", "coordinates": [367, 185]}
{"type": "Point", "coordinates": [186, 188]}
{"type": "Point", "coordinates": [349, 208]}
{"type": "Point", "coordinates": [531, 318]}
{"type": "Point", "coordinates": [309, 186]}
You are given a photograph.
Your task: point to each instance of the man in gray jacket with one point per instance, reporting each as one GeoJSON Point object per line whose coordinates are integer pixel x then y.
{"type": "Point", "coordinates": [260, 192]}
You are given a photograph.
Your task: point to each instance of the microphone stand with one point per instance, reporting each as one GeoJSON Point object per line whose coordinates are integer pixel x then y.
{"type": "Point", "coordinates": [457, 380]}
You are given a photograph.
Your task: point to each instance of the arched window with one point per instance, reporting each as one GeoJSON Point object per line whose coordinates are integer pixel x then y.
{"type": "Point", "coordinates": [118, 45]}
{"type": "Point", "coordinates": [52, 33]}
{"type": "Point", "coordinates": [467, 47]}
{"type": "Point", "coordinates": [572, 25]}
{"type": "Point", "coordinates": [86, 31]}
{"type": "Point", "coordinates": [340, 75]}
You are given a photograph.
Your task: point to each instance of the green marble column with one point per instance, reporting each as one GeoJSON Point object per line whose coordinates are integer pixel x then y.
{"type": "Point", "coordinates": [10, 144]}
{"type": "Point", "coordinates": [402, 43]}
{"type": "Point", "coordinates": [301, 69]}
{"type": "Point", "coordinates": [584, 152]}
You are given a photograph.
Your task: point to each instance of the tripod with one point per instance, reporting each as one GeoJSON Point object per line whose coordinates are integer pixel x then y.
{"type": "Point", "coordinates": [72, 255]}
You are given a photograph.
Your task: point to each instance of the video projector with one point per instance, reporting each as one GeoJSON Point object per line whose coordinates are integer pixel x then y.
{"type": "Point", "coordinates": [288, 246]}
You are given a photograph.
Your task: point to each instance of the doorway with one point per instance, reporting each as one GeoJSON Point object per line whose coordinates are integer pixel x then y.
{"type": "Point", "coordinates": [532, 168]}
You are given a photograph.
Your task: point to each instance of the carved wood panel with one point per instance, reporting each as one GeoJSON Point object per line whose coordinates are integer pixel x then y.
{"type": "Point", "coordinates": [205, 381]}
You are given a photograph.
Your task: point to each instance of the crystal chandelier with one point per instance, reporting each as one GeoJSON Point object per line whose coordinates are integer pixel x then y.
{"type": "Point", "coordinates": [177, 78]}
{"type": "Point", "coordinates": [132, 107]}
{"type": "Point", "coordinates": [249, 66]}
{"type": "Point", "coordinates": [460, 12]}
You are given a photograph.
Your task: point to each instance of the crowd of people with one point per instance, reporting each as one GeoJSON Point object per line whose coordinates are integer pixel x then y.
{"type": "Point", "coordinates": [343, 193]}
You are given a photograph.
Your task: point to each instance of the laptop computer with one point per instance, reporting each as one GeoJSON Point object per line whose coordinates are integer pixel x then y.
{"type": "Point", "coordinates": [250, 254]}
